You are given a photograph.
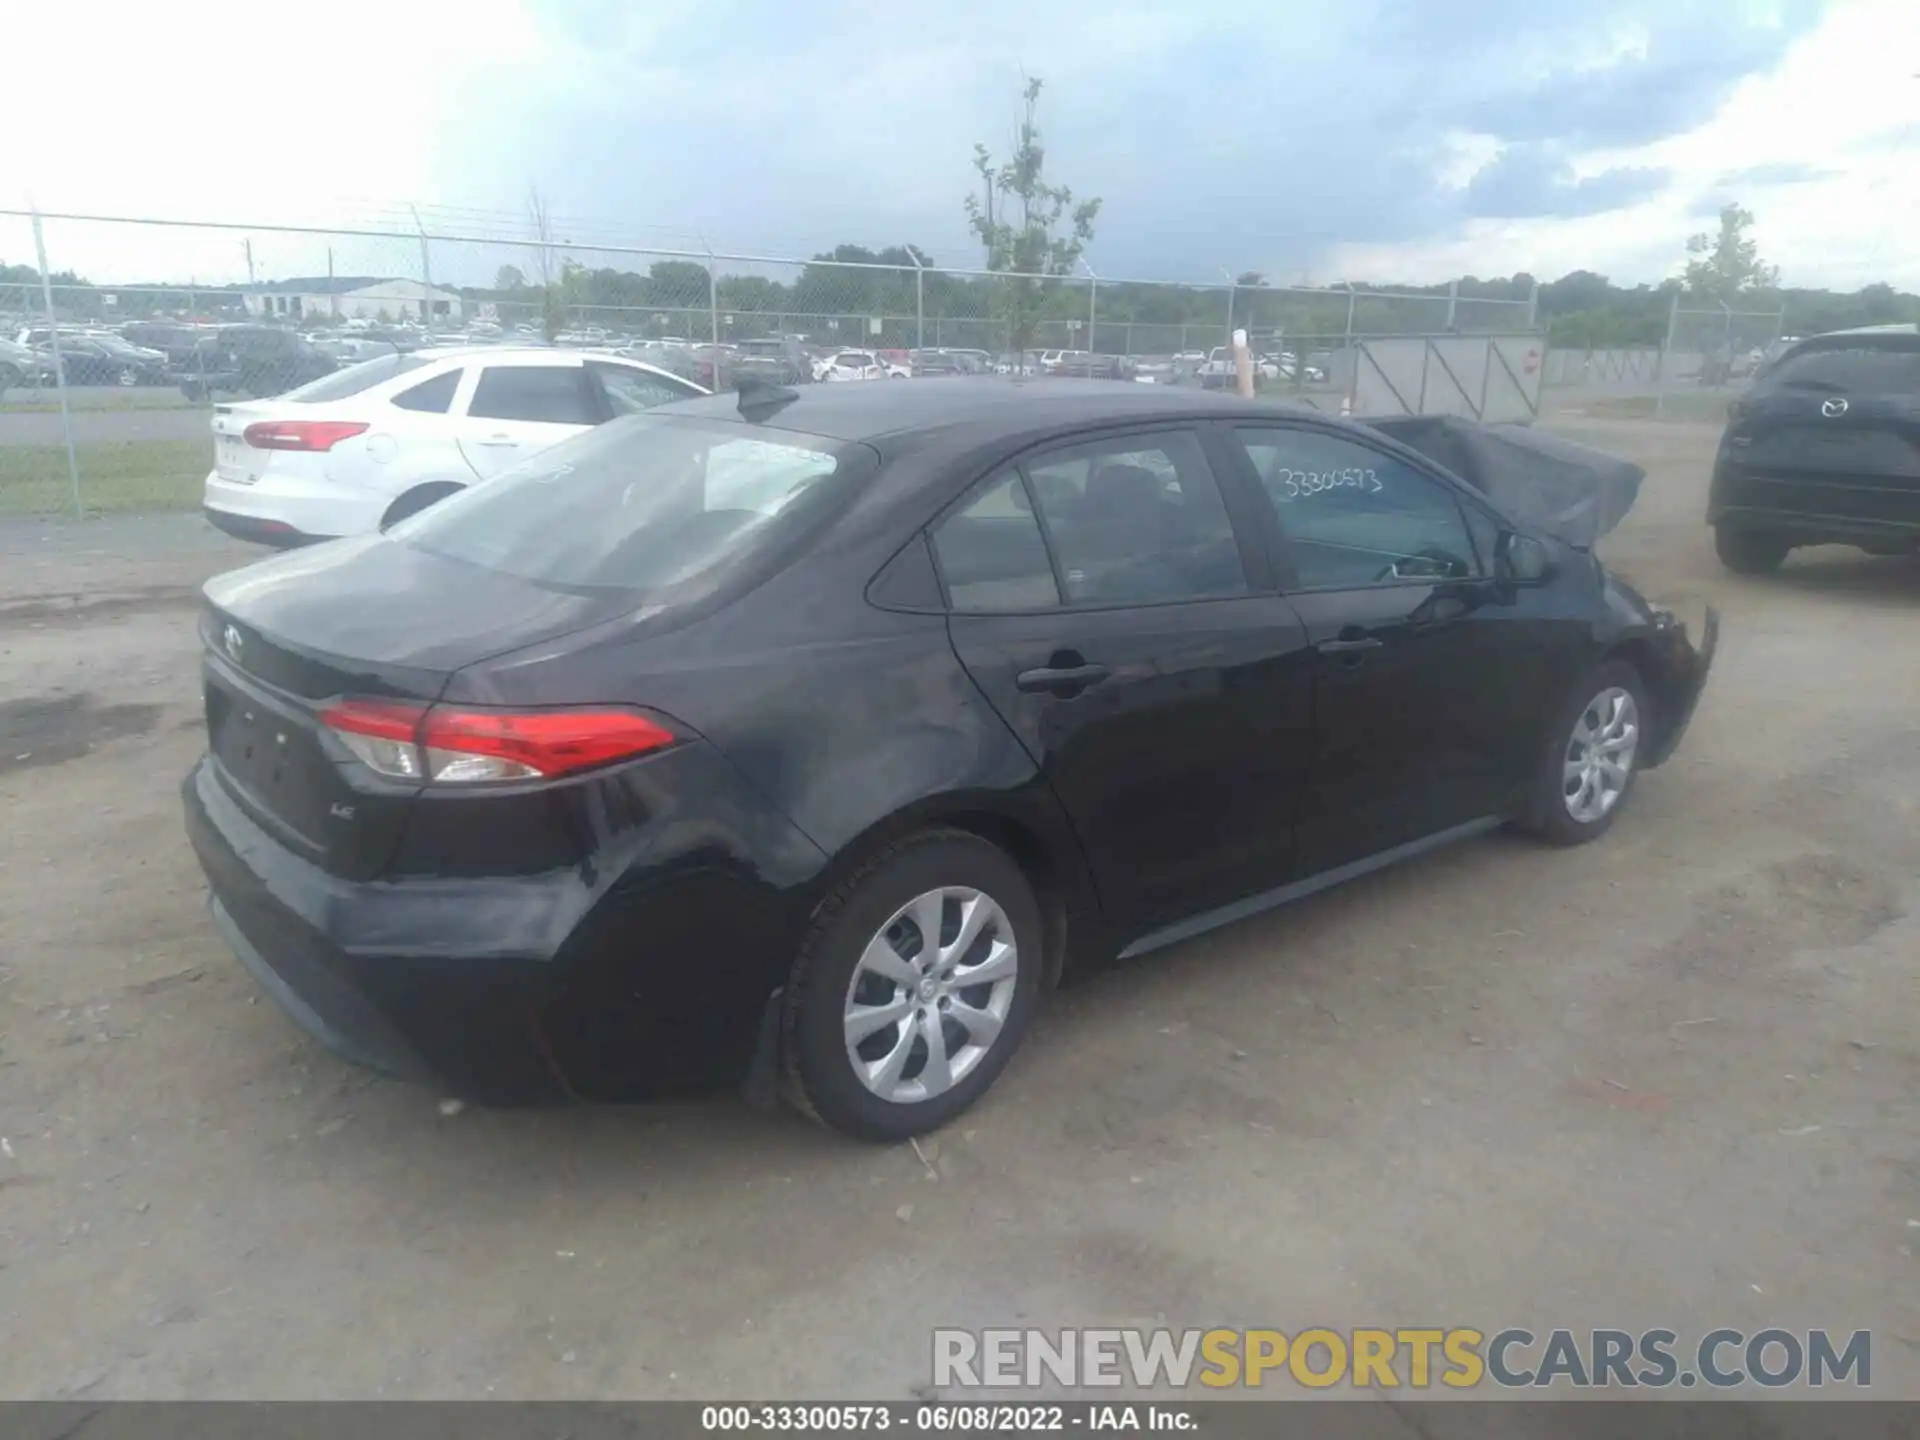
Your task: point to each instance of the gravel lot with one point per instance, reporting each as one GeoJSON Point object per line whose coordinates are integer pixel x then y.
{"type": "Point", "coordinates": [1668, 1080]}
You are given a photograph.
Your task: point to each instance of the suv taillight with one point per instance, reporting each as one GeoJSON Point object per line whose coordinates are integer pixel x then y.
{"type": "Point", "coordinates": [301, 434]}
{"type": "Point", "coordinates": [450, 745]}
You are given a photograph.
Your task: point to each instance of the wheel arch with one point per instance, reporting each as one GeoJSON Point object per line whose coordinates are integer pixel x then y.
{"type": "Point", "coordinates": [1045, 851]}
{"type": "Point", "coordinates": [417, 497]}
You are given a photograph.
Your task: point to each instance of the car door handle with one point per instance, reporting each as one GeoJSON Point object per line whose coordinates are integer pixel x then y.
{"type": "Point", "coordinates": [1349, 647]}
{"type": "Point", "coordinates": [498, 440]}
{"type": "Point", "coordinates": [1058, 678]}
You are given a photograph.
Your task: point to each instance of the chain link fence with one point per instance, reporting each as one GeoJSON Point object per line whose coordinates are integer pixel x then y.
{"type": "Point", "coordinates": [1708, 353]}
{"type": "Point", "coordinates": [119, 337]}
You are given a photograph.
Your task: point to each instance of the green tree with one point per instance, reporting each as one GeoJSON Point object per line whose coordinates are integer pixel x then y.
{"type": "Point", "coordinates": [509, 277]}
{"type": "Point", "coordinates": [1727, 264]}
{"type": "Point", "coordinates": [1026, 225]}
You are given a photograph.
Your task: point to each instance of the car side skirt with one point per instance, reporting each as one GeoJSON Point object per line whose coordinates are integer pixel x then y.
{"type": "Point", "coordinates": [1300, 889]}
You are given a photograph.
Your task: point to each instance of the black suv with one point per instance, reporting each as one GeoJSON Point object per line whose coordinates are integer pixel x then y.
{"type": "Point", "coordinates": [1823, 448]}
{"type": "Point", "coordinates": [257, 360]}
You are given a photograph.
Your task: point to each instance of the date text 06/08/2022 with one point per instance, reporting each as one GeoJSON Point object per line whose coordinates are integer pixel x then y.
{"type": "Point", "coordinates": [960, 1418]}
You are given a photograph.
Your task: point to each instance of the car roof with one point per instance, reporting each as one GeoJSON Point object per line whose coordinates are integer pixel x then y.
{"type": "Point", "coordinates": [991, 405]}
{"type": "Point", "coordinates": [1877, 337]}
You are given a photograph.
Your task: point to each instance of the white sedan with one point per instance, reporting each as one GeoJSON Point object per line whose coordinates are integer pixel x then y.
{"type": "Point", "coordinates": [356, 450]}
{"type": "Point", "coordinates": [858, 365]}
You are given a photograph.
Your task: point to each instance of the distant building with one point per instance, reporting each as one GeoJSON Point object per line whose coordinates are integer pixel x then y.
{"type": "Point", "coordinates": [351, 297]}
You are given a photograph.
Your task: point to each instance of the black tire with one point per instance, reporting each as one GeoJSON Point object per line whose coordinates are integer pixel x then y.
{"type": "Point", "coordinates": [418, 499]}
{"type": "Point", "coordinates": [1749, 552]}
{"type": "Point", "coordinates": [1548, 815]}
{"type": "Point", "coordinates": [819, 1073]}
{"type": "Point", "coordinates": [127, 377]}
{"type": "Point", "coordinates": [10, 376]}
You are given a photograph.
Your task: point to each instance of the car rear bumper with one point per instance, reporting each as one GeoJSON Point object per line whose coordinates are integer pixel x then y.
{"type": "Point", "coordinates": [467, 1023]}
{"type": "Point", "coordinates": [1874, 511]}
{"type": "Point", "coordinates": [641, 969]}
{"type": "Point", "coordinates": [260, 531]}
{"type": "Point", "coordinates": [290, 509]}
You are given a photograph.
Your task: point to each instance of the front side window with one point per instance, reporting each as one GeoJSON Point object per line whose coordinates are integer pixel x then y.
{"type": "Point", "coordinates": [1353, 516]}
{"type": "Point", "coordinates": [1137, 520]}
{"type": "Point", "coordinates": [549, 394]}
{"type": "Point", "coordinates": [991, 554]}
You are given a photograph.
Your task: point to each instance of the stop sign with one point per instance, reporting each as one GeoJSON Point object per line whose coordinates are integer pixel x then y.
{"type": "Point", "coordinates": [1533, 361]}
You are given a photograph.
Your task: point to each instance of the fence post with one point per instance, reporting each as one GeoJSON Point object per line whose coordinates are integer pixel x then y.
{"type": "Point", "coordinates": [1230, 290]}
{"type": "Point", "coordinates": [1453, 301]}
{"type": "Point", "coordinates": [1093, 302]}
{"type": "Point", "coordinates": [426, 272]}
{"type": "Point", "coordinates": [1533, 307]}
{"type": "Point", "coordinates": [920, 303]}
{"type": "Point", "coordinates": [713, 312]}
{"type": "Point", "coordinates": [59, 367]}
{"type": "Point", "coordinates": [1666, 347]}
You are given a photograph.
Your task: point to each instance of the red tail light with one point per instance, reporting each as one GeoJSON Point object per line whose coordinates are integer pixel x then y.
{"type": "Point", "coordinates": [406, 741]}
{"type": "Point", "coordinates": [301, 434]}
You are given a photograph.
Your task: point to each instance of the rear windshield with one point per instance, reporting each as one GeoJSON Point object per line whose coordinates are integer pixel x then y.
{"type": "Point", "coordinates": [355, 378]}
{"type": "Point", "coordinates": [643, 503]}
{"type": "Point", "coordinates": [1856, 370]}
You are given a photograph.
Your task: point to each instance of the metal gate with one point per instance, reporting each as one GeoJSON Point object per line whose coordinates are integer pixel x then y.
{"type": "Point", "coordinates": [1491, 378]}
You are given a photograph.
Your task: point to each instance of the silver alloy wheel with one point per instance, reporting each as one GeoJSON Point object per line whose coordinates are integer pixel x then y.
{"type": "Point", "coordinates": [1600, 754]}
{"type": "Point", "coordinates": [930, 994]}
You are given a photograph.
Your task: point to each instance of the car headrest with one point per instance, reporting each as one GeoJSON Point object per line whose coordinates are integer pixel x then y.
{"type": "Point", "coordinates": [1126, 489]}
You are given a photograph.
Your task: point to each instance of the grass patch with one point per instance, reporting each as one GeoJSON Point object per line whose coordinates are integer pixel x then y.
{"type": "Point", "coordinates": [130, 475]}
{"type": "Point", "coordinates": [45, 402]}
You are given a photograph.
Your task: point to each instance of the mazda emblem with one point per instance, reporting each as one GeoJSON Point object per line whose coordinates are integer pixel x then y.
{"type": "Point", "coordinates": [235, 644]}
{"type": "Point", "coordinates": [1833, 408]}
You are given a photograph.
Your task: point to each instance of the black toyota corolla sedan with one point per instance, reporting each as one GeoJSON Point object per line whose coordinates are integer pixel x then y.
{"type": "Point", "coordinates": [803, 738]}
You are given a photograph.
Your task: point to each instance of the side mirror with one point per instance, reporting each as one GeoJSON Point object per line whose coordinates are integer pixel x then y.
{"type": "Point", "coordinates": [1524, 559]}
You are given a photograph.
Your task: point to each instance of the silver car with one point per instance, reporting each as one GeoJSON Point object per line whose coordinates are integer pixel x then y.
{"type": "Point", "coordinates": [23, 365]}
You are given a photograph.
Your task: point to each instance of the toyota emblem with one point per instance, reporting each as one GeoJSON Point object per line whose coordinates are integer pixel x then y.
{"type": "Point", "coordinates": [1833, 409]}
{"type": "Point", "coordinates": [234, 641]}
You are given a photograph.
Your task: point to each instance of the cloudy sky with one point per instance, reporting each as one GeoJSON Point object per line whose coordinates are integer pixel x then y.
{"type": "Point", "coordinates": [1397, 140]}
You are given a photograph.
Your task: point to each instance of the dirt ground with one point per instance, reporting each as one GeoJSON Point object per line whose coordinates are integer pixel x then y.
{"type": "Point", "coordinates": [1667, 1080]}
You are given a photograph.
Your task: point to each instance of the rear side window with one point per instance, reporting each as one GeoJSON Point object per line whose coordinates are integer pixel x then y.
{"type": "Point", "coordinates": [991, 554]}
{"type": "Point", "coordinates": [553, 394]}
{"type": "Point", "coordinates": [1861, 370]}
{"type": "Point", "coordinates": [430, 397]}
{"type": "Point", "coordinates": [339, 384]}
{"type": "Point", "coordinates": [1137, 520]}
{"type": "Point", "coordinates": [641, 504]}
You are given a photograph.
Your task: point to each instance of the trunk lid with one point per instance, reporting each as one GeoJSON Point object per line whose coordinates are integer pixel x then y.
{"type": "Point", "coordinates": [363, 617]}
{"type": "Point", "coordinates": [237, 462]}
{"type": "Point", "coordinates": [1863, 437]}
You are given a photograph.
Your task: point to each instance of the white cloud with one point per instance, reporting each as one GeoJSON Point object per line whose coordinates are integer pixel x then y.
{"type": "Point", "coordinates": [1829, 106]}
{"type": "Point", "coordinates": [786, 128]}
